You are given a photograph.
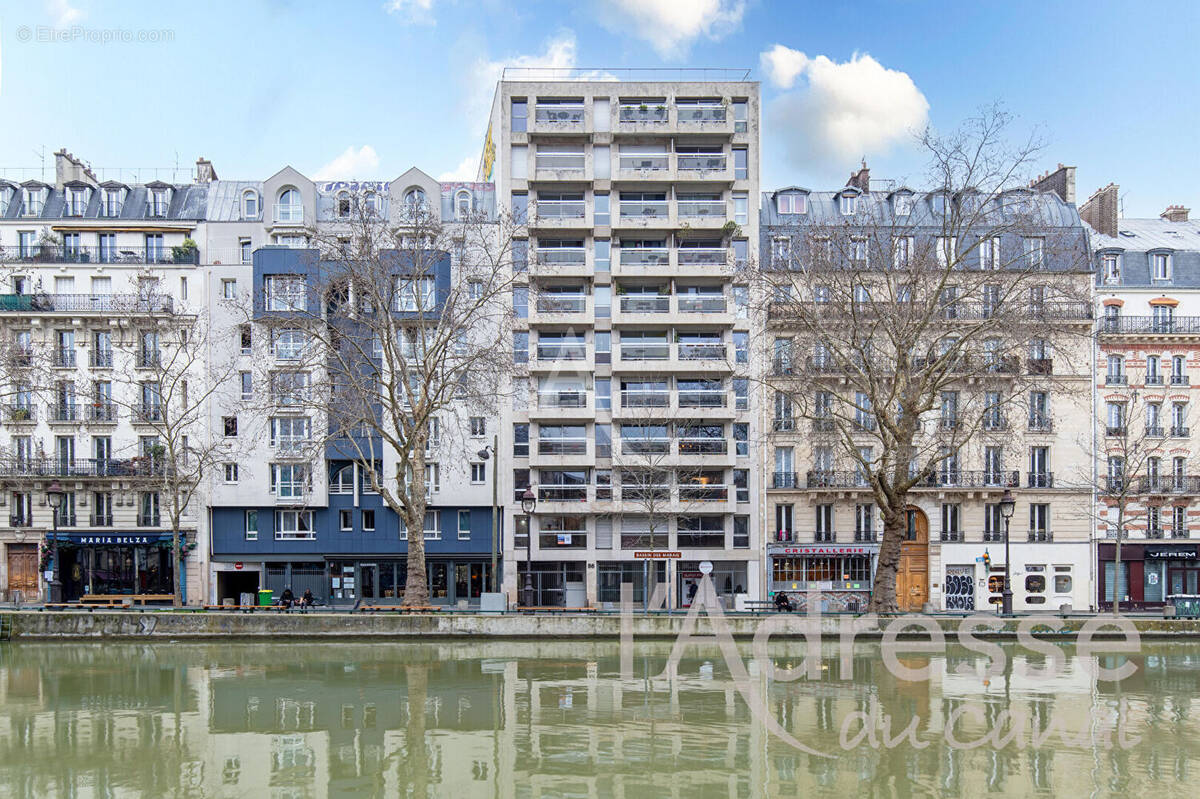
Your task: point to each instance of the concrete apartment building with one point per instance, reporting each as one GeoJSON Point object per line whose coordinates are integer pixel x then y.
{"type": "Point", "coordinates": [632, 416]}
{"type": "Point", "coordinates": [97, 274]}
{"type": "Point", "coordinates": [1147, 367]}
{"type": "Point", "coordinates": [825, 528]}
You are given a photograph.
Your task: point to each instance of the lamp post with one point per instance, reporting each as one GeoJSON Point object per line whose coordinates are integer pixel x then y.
{"type": "Point", "coordinates": [483, 456]}
{"type": "Point", "coordinates": [528, 502]}
{"type": "Point", "coordinates": [54, 496]}
{"type": "Point", "coordinates": [1007, 505]}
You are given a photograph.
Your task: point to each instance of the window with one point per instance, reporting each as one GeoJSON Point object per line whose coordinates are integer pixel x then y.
{"type": "Point", "coordinates": [368, 520]}
{"type": "Point", "coordinates": [864, 522]}
{"type": "Point", "coordinates": [1160, 266]}
{"type": "Point", "coordinates": [230, 426]}
{"type": "Point", "coordinates": [342, 480]}
{"type": "Point", "coordinates": [294, 525]}
{"type": "Point", "coordinates": [345, 520]}
{"type": "Point", "coordinates": [289, 480]}
{"type": "Point", "coordinates": [289, 433]}
{"type": "Point", "coordinates": [288, 344]}
{"type": "Point", "coordinates": [902, 204]}
{"type": "Point", "coordinates": [462, 205]}
{"type": "Point", "coordinates": [478, 473]}
{"type": "Point", "coordinates": [741, 163]}
{"type": "Point", "coordinates": [741, 483]}
{"type": "Point", "coordinates": [432, 527]}
{"type": "Point", "coordinates": [148, 515]}
{"type": "Point", "coordinates": [289, 388]}
{"type": "Point", "coordinates": [1035, 252]}
{"type": "Point", "coordinates": [76, 201]}
{"type": "Point", "coordinates": [289, 207]}
{"type": "Point", "coordinates": [1039, 522]}
{"type": "Point", "coordinates": [228, 289]}
{"type": "Point", "coordinates": [989, 253]}
{"type": "Point", "coordinates": [158, 203]}
{"type": "Point", "coordinates": [251, 525]}
{"type": "Point", "coordinates": [791, 203]}
{"type": "Point", "coordinates": [520, 115]}
{"type": "Point", "coordinates": [1111, 267]}
{"type": "Point", "coordinates": [951, 513]}
{"type": "Point", "coordinates": [741, 393]}
{"type": "Point", "coordinates": [246, 339]}
{"type": "Point", "coordinates": [478, 426]}
{"type": "Point", "coordinates": [464, 525]}
{"type": "Point", "coordinates": [110, 202]}
{"type": "Point", "coordinates": [249, 204]}
{"type": "Point", "coordinates": [286, 293]}
{"type": "Point", "coordinates": [415, 294]}
{"type": "Point", "coordinates": [247, 381]}
{"type": "Point", "coordinates": [848, 204]}
{"type": "Point", "coordinates": [823, 525]}
{"type": "Point", "coordinates": [231, 473]}
{"type": "Point", "coordinates": [521, 440]}
{"type": "Point", "coordinates": [415, 203]}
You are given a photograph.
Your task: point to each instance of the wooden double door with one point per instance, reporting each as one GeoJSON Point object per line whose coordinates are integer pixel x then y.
{"type": "Point", "coordinates": [912, 578]}
{"type": "Point", "coordinates": [23, 570]}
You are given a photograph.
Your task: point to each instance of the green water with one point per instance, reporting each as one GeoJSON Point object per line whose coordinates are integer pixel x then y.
{"type": "Point", "coordinates": [291, 720]}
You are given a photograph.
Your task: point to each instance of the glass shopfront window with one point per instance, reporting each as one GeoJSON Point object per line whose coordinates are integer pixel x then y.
{"type": "Point", "coordinates": [115, 569]}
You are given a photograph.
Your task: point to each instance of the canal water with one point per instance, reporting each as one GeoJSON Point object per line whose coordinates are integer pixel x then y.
{"type": "Point", "coordinates": [573, 719]}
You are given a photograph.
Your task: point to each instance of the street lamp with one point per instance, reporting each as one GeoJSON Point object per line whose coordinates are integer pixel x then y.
{"type": "Point", "coordinates": [528, 502]}
{"type": "Point", "coordinates": [54, 496]}
{"type": "Point", "coordinates": [1007, 505]}
{"type": "Point", "coordinates": [484, 454]}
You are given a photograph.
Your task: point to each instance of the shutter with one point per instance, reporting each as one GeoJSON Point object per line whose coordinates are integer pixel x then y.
{"type": "Point", "coordinates": [604, 534]}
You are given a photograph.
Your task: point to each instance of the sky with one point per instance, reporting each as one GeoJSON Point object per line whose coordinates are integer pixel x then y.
{"type": "Point", "coordinates": [368, 89]}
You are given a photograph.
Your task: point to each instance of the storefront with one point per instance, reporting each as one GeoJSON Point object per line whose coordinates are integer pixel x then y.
{"type": "Point", "coordinates": [728, 578]}
{"type": "Point", "coordinates": [842, 573]}
{"type": "Point", "coordinates": [114, 563]}
{"type": "Point", "coordinates": [382, 581]}
{"type": "Point", "coordinates": [1150, 574]}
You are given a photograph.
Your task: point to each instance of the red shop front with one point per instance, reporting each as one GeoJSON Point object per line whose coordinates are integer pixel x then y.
{"type": "Point", "coordinates": [1150, 574]}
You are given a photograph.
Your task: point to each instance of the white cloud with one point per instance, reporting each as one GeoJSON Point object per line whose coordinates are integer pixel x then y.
{"type": "Point", "coordinates": [842, 111]}
{"type": "Point", "coordinates": [465, 171]}
{"type": "Point", "coordinates": [670, 26]}
{"type": "Point", "coordinates": [555, 62]}
{"type": "Point", "coordinates": [783, 65]}
{"type": "Point", "coordinates": [413, 12]}
{"type": "Point", "coordinates": [62, 12]}
{"type": "Point", "coordinates": [360, 163]}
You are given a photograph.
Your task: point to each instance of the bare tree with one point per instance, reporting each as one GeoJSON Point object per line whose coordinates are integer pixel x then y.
{"type": "Point", "coordinates": [403, 328]}
{"type": "Point", "coordinates": [1131, 479]}
{"type": "Point", "coordinates": [898, 324]}
{"type": "Point", "coordinates": [167, 382]}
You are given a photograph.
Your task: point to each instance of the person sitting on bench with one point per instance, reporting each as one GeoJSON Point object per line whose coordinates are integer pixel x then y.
{"type": "Point", "coordinates": [782, 603]}
{"type": "Point", "coordinates": [307, 600]}
{"type": "Point", "coordinates": [287, 598]}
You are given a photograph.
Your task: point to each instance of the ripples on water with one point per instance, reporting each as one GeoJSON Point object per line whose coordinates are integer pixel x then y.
{"type": "Point", "coordinates": [295, 720]}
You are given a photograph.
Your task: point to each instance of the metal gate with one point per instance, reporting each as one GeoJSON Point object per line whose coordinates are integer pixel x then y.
{"type": "Point", "coordinates": [960, 588]}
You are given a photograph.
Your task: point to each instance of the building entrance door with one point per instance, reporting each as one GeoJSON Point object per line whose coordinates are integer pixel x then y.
{"type": "Point", "coordinates": [22, 571]}
{"type": "Point", "coordinates": [912, 578]}
{"type": "Point", "coordinates": [367, 573]}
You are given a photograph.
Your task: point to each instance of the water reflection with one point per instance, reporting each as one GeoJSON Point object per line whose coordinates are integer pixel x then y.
{"type": "Point", "coordinates": [556, 720]}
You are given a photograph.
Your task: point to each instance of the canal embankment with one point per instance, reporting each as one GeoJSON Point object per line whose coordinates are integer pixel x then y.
{"type": "Point", "coordinates": [175, 625]}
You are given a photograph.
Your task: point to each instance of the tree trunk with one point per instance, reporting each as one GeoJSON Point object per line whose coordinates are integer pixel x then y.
{"type": "Point", "coordinates": [883, 591]}
{"type": "Point", "coordinates": [176, 568]}
{"type": "Point", "coordinates": [416, 589]}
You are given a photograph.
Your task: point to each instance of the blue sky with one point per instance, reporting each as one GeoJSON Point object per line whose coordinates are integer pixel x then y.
{"type": "Point", "coordinates": [256, 84]}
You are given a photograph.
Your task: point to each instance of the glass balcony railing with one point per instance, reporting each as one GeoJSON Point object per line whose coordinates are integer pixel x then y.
{"type": "Point", "coordinates": [562, 256]}
{"type": "Point", "coordinates": [289, 213]}
{"type": "Point", "coordinates": [562, 446]}
{"type": "Point", "coordinates": [703, 398]}
{"type": "Point", "coordinates": [700, 113]}
{"type": "Point", "coordinates": [645, 398]}
{"type": "Point", "coordinates": [645, 352]}
{"type": "Point", "coordinates": [649, 162]}
{"type": "Point", "coordinates": [559, 114]}
{"type": "Point", "coordinates": [570, 162]}
{"type": "Point", "coordinates": [646, 256]}
{"type": "Point", "coordinates": [702, 255]}
{"type": "Point", "coordinates": [696, 208]}
{"type": "Point", "coordinates": [701, 162]}
{"type": "Point", "coordinates": [562, 399]}
{"type": "Point", "coordinates": [561, 209]}
{"type": "Point", "coordinates": [645, 210]}
{"type": "Point", "coordinates": [701, 304]}
{"type": "Point", "coordinates": [701, 352]}
{"type": "Point", "coordinates": [562, 303]}
{"type": "Point", "coordinates": [645, 304]}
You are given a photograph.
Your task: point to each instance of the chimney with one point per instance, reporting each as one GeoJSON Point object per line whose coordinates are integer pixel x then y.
{"type": "Point", "coordinates": [861, 179]}
{"type": "Point", "coordinates": [1176, 213]}
{"type": "Point", "coordinates": [1061, 181]}
{"type": "Point", "coordinates": [67, 168]}
{"type": "Point", "coordinates": [205, 173]}
{"type": "Point", "coordinates": [1100, 211]}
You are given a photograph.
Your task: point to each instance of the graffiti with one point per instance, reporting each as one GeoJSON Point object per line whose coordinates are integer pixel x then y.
{"type": "Point", "coordinates": [960, 588]}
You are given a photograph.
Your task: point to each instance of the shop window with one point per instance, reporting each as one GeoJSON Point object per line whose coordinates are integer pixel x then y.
{"type": "Point", "coordinates": [1062, 583]}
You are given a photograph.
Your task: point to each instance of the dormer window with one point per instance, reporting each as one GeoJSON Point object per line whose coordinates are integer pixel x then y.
{"type": "Point", "coordinates": [1111, 265]}
{"type": "Point", "coordinates": [414, 203]}
{"type": "Point", "coordinates": [110, 202]}
{"type": "Point", "coordinates": [157, 203]}
{"type": "Point", "coordinates": [848, 204]}
{"type": "Point", "coordinates": [1160, 265]}
{"type": "Point", "coordinates": [902, 204]}
{"type": "Point", "coordinates": [5, 198]}
{"type": "Point", "coordinates": [371, 204]}
{"type": "Point", "coordinates": [289, 208]}
{"type": "Point", "coordinates": [343, 205]}
{"type": "Point", "coordinates": [462, 204]}
{"type": "Point", "coordinates": [76, 201]}
{"type": "Point", "coordinates": [249, 204]}
{"type": "Point", "coordinates": [938, 202]}
{"type": "Point", "coordinates": [791, 203]}
{"type": "Point", "coordinates": [35, 201]}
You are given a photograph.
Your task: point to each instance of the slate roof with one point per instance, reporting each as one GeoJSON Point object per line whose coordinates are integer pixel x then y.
{"type": "Point", "coordinates": [1137, 238]}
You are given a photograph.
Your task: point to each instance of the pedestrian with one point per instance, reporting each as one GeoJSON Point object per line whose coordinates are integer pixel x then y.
{"type": "Point", "coordinates": [692, 588]}
{"type": "Point", "coordinates": [287, 598]}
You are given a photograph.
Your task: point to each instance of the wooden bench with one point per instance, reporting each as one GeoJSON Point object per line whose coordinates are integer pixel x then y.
{"type": "Point", "coordinates": [399, 609]}
{"type": "Point", "coordinates": [553, 609]}
{"type": "Point", "coordinates": [245, 608]}
{"type": "Point", "coordinates": [120, 599]}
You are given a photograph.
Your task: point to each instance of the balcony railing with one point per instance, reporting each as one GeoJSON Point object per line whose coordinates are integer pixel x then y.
{"type": "Point", "coordinates": [20, 520]}
{"type": "Point", "coordinates": [562, 399]}
{"type": "Point", "coordinates": [561, 256]}
{"type": "Point", "coordinates": [57, 412]}
{"type": "Point", "coordinates": [547, 210]}
{"type": "Point", "coordinates": [562, 493]}
{"type": "Point", "coordinates": [1041, 535]}
{"type": "Point", "coordinates": [1115, 431]}
{"type": "Point", "coordinates": [289, 213]}
{"type": "Point", "coordinates": [561, 352]}
{"type": "Point", "coordinates": [556, 114]}
{"type": "Point", "coordinates": [645, 446]}
{"type": "Point", "coordinates": [59, 253]}
{"type": "Point", "coordinates": [1154, 380]}
{"type": "Point", "coordinates": [649, 113]}
{"type": "Point", "coordinates": [64, 357]}
{"type": "Point", "coordinates": [1155, 431]}
{"type": "Point", "coordinates": [691, 304]}
{"type": "Point", "coordinates": [700, 163]}
{"type": "Point", "coordinates": [149, 520]}
{"type": "Point", "coordinates": [1040, 480]}
{"type": "Point", "coordinates": [701, 352]}
{"type": "Point", "coordinates": [562, 303]}
{"type": "Point", "coordinates": [645, 352]}
{"type": "Point", "coordinates": [100, 359]}
{"type": "Point", "coordinates": [700, 112]}
{"type": "Point", "coordinates": [645, 304]}
{"type": "Point", "coordinates": [703, 493]}
{"type": "Point", "coordinates": [1161, 484]}
{"type": "Point", "coordinates": [562, 446]}
{"type": "Point", "coordinates": [1180, 431]}
{"type": "Point", "coordinates": [645, 398]}
{"type": "Point", "coordinates": [1040, 424]}
{"type": "Point", "coordinates": [955, 478]}
{"type": "Point", "coordinates": [703, 446]}
{"type": "Point", "coordinates": [646, 162]}
{"type": "Point", "coordinates": [84, 467]}
{"type": "Point", "coordinates": [644, 256]}
{"type": "Point", "coordinates": [701, 208]}
{"type": "Point", "coordinates": [571, 162]}
{"type": "Point", "coordinates": [149, 359]}
{"type": "Point", "coordinates": [20, 414]}
{"type": "Point", "coordinates": [703, 398]}
{"type": "Point", "coordinates": [146, 414]}
{"type": "Point", "coordinates": [1179, 380]}
{"type": "Point", "coordinates": [699, 256]}
{"type": "Point", "coordinates": [1150, 324]}
{"type": "Point", "coordinates": [785, 480]}
{"type": "Point", "coordinates": [1115, 380]}
{"type": "Point", "coordinates": [100, 520]}
{"type": "Point", "coordinates": [650, 209]}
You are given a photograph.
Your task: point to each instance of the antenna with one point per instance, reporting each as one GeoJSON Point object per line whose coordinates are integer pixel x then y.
{"type": "Point", "coordinates": [41, 154]}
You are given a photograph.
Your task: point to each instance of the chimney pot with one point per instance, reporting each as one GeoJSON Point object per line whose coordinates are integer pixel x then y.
{"type": "Point", "coordinates": [1176, 213]}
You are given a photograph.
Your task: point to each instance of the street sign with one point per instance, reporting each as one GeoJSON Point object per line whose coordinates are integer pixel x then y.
{"type": "Point", "coordinates": [655, 555]}
{"type": "Point", "coordinates": [238, 566]}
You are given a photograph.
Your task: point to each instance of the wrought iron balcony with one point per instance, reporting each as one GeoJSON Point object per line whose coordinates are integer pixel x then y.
{"type": "Point", "coordinates": [76, 254]}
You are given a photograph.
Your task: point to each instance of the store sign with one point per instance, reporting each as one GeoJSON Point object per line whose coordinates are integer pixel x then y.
{"type": "Point", "coordinates": [657, 555]}
{"type": "Point", "coordinates": [1172, 553]}
{"type": "Point", "coordinates": [111, 540]}
{"type": "Point", "coordinates": [823, 550]}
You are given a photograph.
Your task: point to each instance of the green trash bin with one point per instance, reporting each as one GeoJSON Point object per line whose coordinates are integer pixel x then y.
{"type": "Point", "coordinates": [265, 597]}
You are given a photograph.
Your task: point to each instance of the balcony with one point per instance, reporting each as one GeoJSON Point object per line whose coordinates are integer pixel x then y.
{"type": "Point", "coordinates": [995, 423]}
{"type": "Point", "coordinates": [701, 352]}
{"type": "Point", "coordinates": [64, 358]}
{"type": "Point", "coordinates": [1154, 380]}
{"type": "Point", "coordinates": [1040, 480]}
{"type": "Point", "coordinates": [703, 492]}
{"type": "Point", "coordinates": [1115, 432]}
{"type": "Point", "coordinates": [970, 479]}
{"type": "Point", "coordinates": [561, 352]}
{"type": "Point", "coordinates": [64, 254]}
{"type": "Point", "coordinates": [1155, 431]}
{"type": "Point", "coordinates": [562, 446]}
{"type": "Point", "coordinates": [645, 162]}
{"type": "Point", "coordinates": [703, 446]}
{"type": "Point", "coordinates": [700, 162]}
{"type": "Point", "coordinates": [1152, 325]}
{"type": "Point", "coordinates": [642, 303]}
{"type": "Point", "coordinates": [104, 412]}
{"type": "Point", "coordinates": [649, 210]}
{"type": "Point", "coordinates": [1040, 535]}
{"type": "Point", "coordinates": [289, 214]}
{"type": "Point", "coordinates": [149, 520]}
{"type": "Point", "coordinates": [645, 352]}
{"type": "Point", "coordinates": [645, 446]}
{"type": "Point", "coordinates": [643, 256]}
{"type": "Point", "coordinates": [785, 480]}
{"type": "Point", "coordinates": [562, 493]}
{"type": "Point", "coordinates": [100, 359]}
{"type": "Point", "coordinates": [561, 303]}
{"type": "Point", "coordinates": [652, 113]}
{"type": "Point", "coordinates": [1180, 431]}
{"type": "Point", "coordinates": [558, 210]}
{"type": "Point", "coordinates": [1040, 424]}
{"type": "Point", "coordinates": [1040, 366]}
{"type": "Point", "coordinates": [1116, 380]}
{"type": "Point", "coordinates": [148, 414]}
{"type": "Point", "coordinates": [562, 399]}
{"type": "Point", "coordinates": [702, 256]}
{"type": "Point", "coordinates": [558, 115]}
{"type": "Point", "coordinates": [80, 468]}
{"type": "Point", "coordinates": [1179, 380]}
{"type": "Point", "coordinates": [701, 304]}
{"type": "Point", "coordinates": [20, 414]}
{"type": "Point", "coordinates": [100, 520]}
{"type": "Point", "coordinates": [703, 209]}
{"type": "Point", "coordinates": [20, 520]}
{"type": "Point", "coordinates": [645, 398]}
{"type": "Point", "coordinates": [560, 256]}
{"type": "Point", "coordinates": [783, 425]}
{"type": "Point", "coordinates": [700, 113]}
{"type": "Point", "coordinates": [149, 359]}
{"type": "Point", "coordinates": [703, 398]}
{"type": "Point", "coordinates": [559, 162]}
{"type": "Point", "coordinates": [63, 412]}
